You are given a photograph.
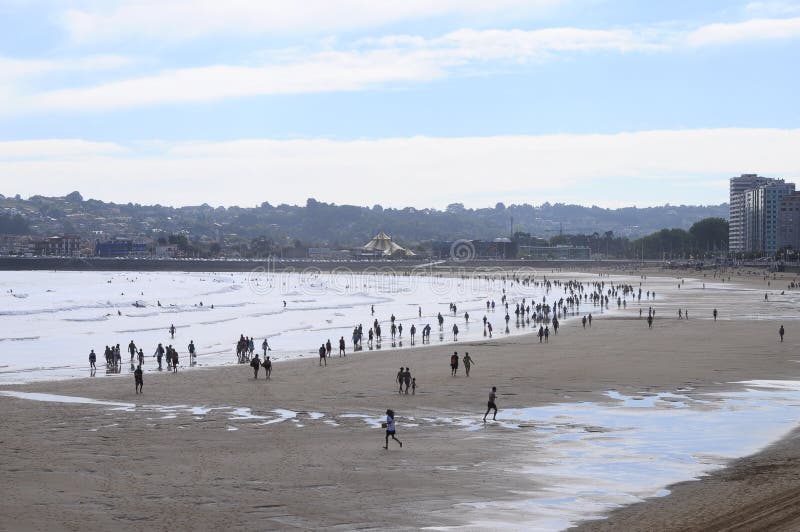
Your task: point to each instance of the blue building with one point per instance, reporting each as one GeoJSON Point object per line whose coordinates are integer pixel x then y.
{"type": "Point", "coordinates": [121, 247]}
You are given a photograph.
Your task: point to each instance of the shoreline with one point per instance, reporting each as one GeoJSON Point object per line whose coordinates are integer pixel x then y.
{"type": "Point", "coordinates": [756, 492]}
{"type": "Point", "coordinates": [437, 479]}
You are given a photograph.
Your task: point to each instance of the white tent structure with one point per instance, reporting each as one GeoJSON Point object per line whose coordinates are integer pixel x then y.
{"type": "Point", "coordinates": [381, 244]}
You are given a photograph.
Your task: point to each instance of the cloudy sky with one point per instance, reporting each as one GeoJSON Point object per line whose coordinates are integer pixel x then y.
{"type": "Point", "coordinates": [401, 103]}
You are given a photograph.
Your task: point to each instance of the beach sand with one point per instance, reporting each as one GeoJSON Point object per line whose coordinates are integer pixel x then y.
{"type": "Point", "coordinates": [89, 467]}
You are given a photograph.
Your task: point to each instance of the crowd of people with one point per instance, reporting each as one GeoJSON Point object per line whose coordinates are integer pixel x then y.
{"type": "Point", "coordinates": [561, 299]}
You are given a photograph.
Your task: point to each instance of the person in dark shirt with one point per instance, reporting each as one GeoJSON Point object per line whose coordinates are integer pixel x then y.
{"type": "Point", "coordinates": [491, 405]}
{"type": "Point", "coordinates": [138, 379]}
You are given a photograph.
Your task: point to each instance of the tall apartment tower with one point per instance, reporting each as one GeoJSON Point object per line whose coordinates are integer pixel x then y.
{"type": "Point", "coordinates": [737, 238]}
{"type": "Point", "coordinates": [789, 222]}
{"type": "Point", "coordinates": [761, 215]}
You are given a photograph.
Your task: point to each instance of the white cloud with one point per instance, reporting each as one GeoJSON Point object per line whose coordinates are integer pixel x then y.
{"type": "Point", "coordinates": [771, 9]}
{"type": "Point", "coordinates": [750, 30]}
{"type": "Point", "coordinates": [370, 64]}
{"type": "Point", "coordinates": [69, 149]}
{"type": "Point", "coordinates": [189, 19]}
{"type": "Point", "coordinates": [322, 72]}
{"type": "Point", "coordinates": [393, 60]}
{"type": "Point", "coordinates": [12, 68]}
{"type": "Point", "coordinates": [415, 171]}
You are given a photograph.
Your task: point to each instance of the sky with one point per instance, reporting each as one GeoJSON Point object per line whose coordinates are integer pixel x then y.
{"type": "Point", "coordinates": [418, 103]}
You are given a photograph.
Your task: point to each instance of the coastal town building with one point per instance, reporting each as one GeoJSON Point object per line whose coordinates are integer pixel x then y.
{"type": "Point", "coordinates": [789, 222]}
{"type": "Point", "coordinates": [58, 246]}
{"type": "Point", "coordinates": [758, 220]}
{"type": "Point", "coordinates": [121, 247]}
{"type": "Point", "coordinates": [736, 220]}
{"type": "Point", "coordinates": [762, 207]}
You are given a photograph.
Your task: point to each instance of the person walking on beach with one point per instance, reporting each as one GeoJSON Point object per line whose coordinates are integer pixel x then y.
{"type": "Point", "coordinates": [715, 314]}
{"type": "Point", "coordinates": [191, 351]}
{"type": "Point", "coordinates": [491, 405]}
{"type": "Point", "coordinates": [489, 327]}
{"type": "Point", "coordinates": [583, 321]}
{"type": "Point", "coordinates": [455, 332]}
{"type": "Point", "coordinates": [322, 352]}
{"type": "Point", "coordinates": [341, 347]}
{"type": "Point", "coordinates": [141, 356]}
{"type": "Point", "coordinates": [414, 386]}
{"type": "Point", "coordinates": [256, 365]}
{"type": "Point", "coordinates": [399, 380]}
{"type": "Point", "coordinates": [159, 354]}
{"type": "Point", "coordinates": [265, 346]}
{"type": "Point", "coordinates": [92, 360]}
{"type": "Point", "coordinates": [391, 429]}
{"type": "Point", "coordinates": [138, 379]}
{"type": "Point", "coordinates": [267, 365]}
{"type": "Point", "coordinates": [540, 334]}
{"type": "Point", "coordinates": [781, 331]}
{"type": "Point", "coordinates": [454, 364]}
{"type": "Point", "coordinates": [467, 363]}
{"type": "Point", "coordinates": [132, 350]}
{"type": "Point", "coordinates": [172, 330]}
{"type": "Point", "coordinates": [649, 321]}
{"type": "Point", "coordinates": [407, 379]}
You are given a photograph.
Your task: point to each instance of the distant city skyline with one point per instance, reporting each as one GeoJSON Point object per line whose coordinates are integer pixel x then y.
{"type": "Point", "coordinates": [421, 104]}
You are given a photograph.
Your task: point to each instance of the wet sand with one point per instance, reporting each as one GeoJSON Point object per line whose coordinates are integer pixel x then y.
{"type": "Point", "coordinates": [759, 492]}
{"type": "Point", "coordinates": [87, 467]}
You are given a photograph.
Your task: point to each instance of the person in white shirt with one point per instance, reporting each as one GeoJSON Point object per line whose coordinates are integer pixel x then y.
{"type": "Point", "coordinates": [390, 428]}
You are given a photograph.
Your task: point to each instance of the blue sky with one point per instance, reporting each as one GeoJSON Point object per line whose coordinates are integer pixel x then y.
{"type": "Point", "coordinates": [415, 103]}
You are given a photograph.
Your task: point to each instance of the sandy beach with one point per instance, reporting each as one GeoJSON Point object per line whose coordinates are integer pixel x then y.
{"type": "Point", "coordinates": [308, 453]}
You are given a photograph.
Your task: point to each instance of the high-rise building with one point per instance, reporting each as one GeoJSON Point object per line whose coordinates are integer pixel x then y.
{"type": "Point", "coordinates": [736, 223]}
{"type": "Point", "coordinates": [789, 222]}
{"type": "Point", "coordinates": [761, 213]}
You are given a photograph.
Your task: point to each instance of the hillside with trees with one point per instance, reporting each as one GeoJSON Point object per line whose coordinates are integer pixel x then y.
{"type": "Point", "coordinates": [267, 227]}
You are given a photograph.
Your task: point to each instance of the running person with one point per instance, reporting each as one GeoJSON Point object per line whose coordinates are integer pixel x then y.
{"type": "Point", "coordinates": [390, 429]}
{"type": "Point", "coordinates": [491, 405]}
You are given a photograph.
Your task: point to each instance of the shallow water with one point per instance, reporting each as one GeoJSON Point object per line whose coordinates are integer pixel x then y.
{"type": "Point", "coordinates": [47, 334]}
{"type": "Point", "coordinates": [586, 458]}
{"type": "Point", "coordinates": [589, 458]}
